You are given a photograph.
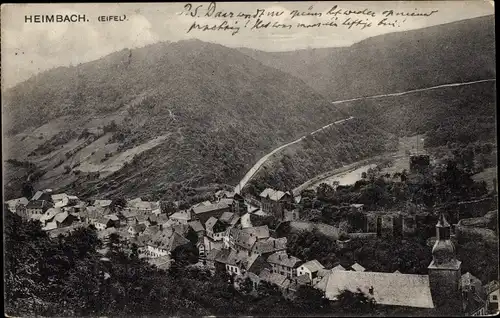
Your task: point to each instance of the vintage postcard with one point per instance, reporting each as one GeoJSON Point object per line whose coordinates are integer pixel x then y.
{"type": "Point", "coordinates": [250, 159]}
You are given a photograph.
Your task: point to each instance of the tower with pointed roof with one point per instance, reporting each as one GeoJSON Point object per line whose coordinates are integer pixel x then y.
{"type": "Point", "coordinates": [444, 269]}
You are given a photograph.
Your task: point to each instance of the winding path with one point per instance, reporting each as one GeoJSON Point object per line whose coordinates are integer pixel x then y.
{"type": "Point", "coordinates": [414, 91]}
{"type": "Point", "coordinates": [248, 176]}
{"type": "Point", "coordinates": [262, 160]}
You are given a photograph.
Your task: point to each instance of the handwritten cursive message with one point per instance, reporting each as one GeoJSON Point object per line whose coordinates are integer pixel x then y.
{"type": "Point", "coordinates": [213, 17]}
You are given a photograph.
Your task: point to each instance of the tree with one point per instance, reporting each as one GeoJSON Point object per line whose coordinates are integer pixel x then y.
{"type": "Point", "coordinates": [118, 203]}
{"type": "Point", "coordinates": [192, 236]}
{"type": "Point", "coordinates": [167, 207]}
{"type": "Point", "coordinates": [185, 254]}
{"type": "Point", "coordinates": [324, 191]}
{"type": "Point", "coordinates": [27, 190]}
{"type": "Point", "coordinates": [246, 286]}
{"type": "Point", "coordinates": [356, 302]}
{"type": "Point", "coordinates": [114, 243]}
{"type": "Point", "coordinates": [83, 241]}
{"type": "Point", "coordinates": [311, 300]}
{"type": "Point", "coordinates": [404, 175]}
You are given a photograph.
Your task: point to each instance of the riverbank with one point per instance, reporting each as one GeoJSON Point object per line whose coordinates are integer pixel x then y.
{"type": "Point", "coordinates": [340, 172]}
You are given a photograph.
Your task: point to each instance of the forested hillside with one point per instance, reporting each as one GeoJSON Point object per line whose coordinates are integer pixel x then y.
{"type": "Point", "coordinates": [338, 145]}
{"type": "Point", "coordinates": [460, 114]}
{"type": "Point", "coordinates": [214, 110]}
{"type": "Point", "coordinates": [455, 52]}
{"type": "Point", "coordinates": [172, 117]}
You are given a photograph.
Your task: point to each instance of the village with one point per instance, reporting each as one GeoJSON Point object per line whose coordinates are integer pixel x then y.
{"type": "Point", "coordinates": [226, 240]}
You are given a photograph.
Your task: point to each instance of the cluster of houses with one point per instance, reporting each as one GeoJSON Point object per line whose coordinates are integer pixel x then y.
{"type": "Point", "coordinates": [155, 233]}
{"type": "Point", "coordinates": [227, 241]}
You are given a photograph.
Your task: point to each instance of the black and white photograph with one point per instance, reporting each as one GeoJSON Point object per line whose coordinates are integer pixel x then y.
{"type": "Point", "coordinates": [256, 159]}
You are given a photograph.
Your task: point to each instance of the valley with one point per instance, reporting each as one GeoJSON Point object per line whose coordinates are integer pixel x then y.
{"type": "Point", "coordinates": [173, 128]}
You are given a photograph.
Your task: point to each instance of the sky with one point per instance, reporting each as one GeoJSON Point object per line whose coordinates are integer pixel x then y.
{"type": "Point", "coordinates": [30, 48]}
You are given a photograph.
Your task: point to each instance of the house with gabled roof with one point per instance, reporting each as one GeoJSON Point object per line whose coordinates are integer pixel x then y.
{"type": "Point", "coordinates": [358, 268]}
{"type": "Point", "coordinates": [215, 228]}
{"type": "Point", "coordinates": [229, 218]}
{"type": "Point", "coordinates": [407, 290]}
{"type": "Point", "coordinates": [61, 200]}
{"type": "Point", "coordinates": [18, 205]}
{"type": "Point", "coordinates": [43, 195]}
{"type": "Point", "coordinates": [152, 219]}
{"type": "Point", "coordinates": [103, 203]}
{"type": "Point", "coordinates": [223, 194]}
{"type": "Point", "coordinates": [296, 283]}
{"type": "Point", "coordinates": [64, 202]}
{"type": "Point", "coordinates": [128, 216]}
{"type": "Point", "coordinates": [181, 217]}
{"type": "Point", "coordinates": [58, 197]}
{"type": "Point", "coordinates": [90, 213]}
{"type": "Point", "coordinates": [197, 227]}
{"type": "Point", "coordinates": [152, 230]}
{"type": "Point", "coordinates": [473, 295]}
{"type": "Point", "coordinates": [142, 206]}
{"type": "Point", "coordinates": [210, 257]}
{"type": "Point", "coordinates": [204, 203]}
{"type": "Point", "coordinates": [161, 218]}
{"type": "Point", "coordinates": [274, 201]}
{"type": "Point", "coordinates": [181, 229]}
{"type": "Point", "coordinates": [320, 274]}
{"type": "Point", "coordinates": [245, 239]}
{"type": "Point", "coordinates": [102, 223]}
{"type": "Point", "coordinates": [492, 292]}
{"type": "Point", "coordinates": [35, 217]}
{"type": "Point", "coordinates": [164, 242]}
{"type": "Point", "coordinates": [338, 268]}
{"type": "Point", "coordinates": [37, 207]}
{"type": "Point", "coordinates": [49, 215]}
{"type": "Point", "coordinates": [136, 229]}
{"type": "Point", "coordinates": [203, 213]}
{"type": "Point", "coordinates": [142, 218]}
{"type": "Point", "coordinates": [269, 246]}
{"type": "Point", "coordinates": [238, 263]}
{"type": "Point", "coordinates": [244, 242]}
{"type": "Point", "coordinates": [310, 269]}
{"type": "Point", "coordinates": [260, 232]}
{"type": "Point", "coordinates": [277, 279]}
{"type": "Point", "coordinates": [114, 220]}
{"type": "Point", "coordinates": [284, 264]}
{"type": "Point", "coordinates": [65, 219]}
{"type": "Point", "coordinates": [50, 226]}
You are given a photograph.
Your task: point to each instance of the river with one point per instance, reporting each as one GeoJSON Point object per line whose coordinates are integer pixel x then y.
{"type": "Point", "coordinates": [345, 178]}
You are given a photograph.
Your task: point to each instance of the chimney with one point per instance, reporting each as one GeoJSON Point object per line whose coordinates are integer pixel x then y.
{"type": "Point", "coordinates": [274, 243]}
{"type": "Point", "coordinates": [161, 227]}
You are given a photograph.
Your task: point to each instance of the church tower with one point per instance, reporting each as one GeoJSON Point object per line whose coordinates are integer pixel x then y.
{"type": "Point", "coordinates": [444, 270]}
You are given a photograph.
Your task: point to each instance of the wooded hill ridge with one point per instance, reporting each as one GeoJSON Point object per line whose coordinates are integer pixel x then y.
{"type": "Point", "coordinates": [454, 52]}
{"type": "Point", "coordinates": [207, 112]}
